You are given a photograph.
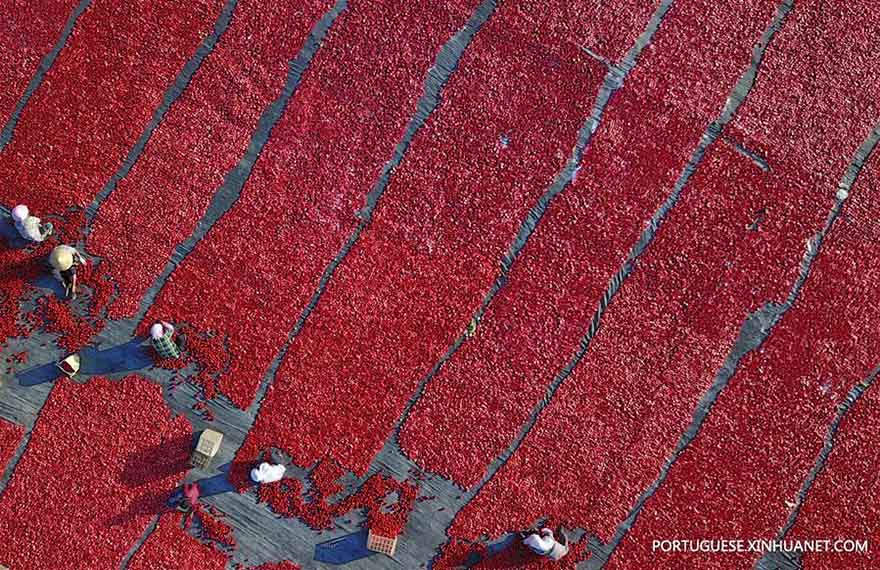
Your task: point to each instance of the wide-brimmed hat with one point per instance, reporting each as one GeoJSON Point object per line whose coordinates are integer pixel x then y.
{"type": "Point", "coordinates": [61, 258]}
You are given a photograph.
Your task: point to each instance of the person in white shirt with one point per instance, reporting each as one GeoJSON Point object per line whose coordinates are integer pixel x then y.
{"type": "Point", "coordinates": [29, 226]}
{"type": "Point", "coordinates": [267, 473]}
{"type": "Point", "coordinates": [64, 260]}
{"type": "Point", "coordinates": [544, 543]}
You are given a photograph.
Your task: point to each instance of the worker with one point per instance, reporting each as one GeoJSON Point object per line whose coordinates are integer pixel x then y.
{"type": "Point", "coordinates": [267, 473]}
{"type": "Point", "coordinates": [29, 226]}
{"type": "Point", "coordinates": [162, 338]}
{"type": "Point", "coordinates": [189, 498]}
{"type": "Point", "coordinates": [544, 543]}
{"type": "Point", "coordinates": [64, 260]}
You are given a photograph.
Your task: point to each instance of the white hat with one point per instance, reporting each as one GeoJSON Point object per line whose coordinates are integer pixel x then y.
{"type": "Point", "coordinates": [157, 331]}
{"type": "Point", "coordinates": [61, 258]}
{"type": "Point", "coordinates": [20, 213]}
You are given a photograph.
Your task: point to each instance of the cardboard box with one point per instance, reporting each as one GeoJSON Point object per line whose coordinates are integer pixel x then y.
{"type": "Point", "coordinates": [206, 449]}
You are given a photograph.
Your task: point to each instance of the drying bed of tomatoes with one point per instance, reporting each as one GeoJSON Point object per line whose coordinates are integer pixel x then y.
{"type": "Point", "coordinates": [824, 61]}
{"type": "Point", "coordinates": [286, 498]}
{"type": "Point", "coordinates": [776, 408]}
{"type": "Point", "coordinates": [56, 316]}
{"type": "Point", "coordinates": [101, 460]}
{"type": "Point", "coordinates": [10, 437]}
{"type": "Point", "coordinates": [535, 323]}
{"type": "Point", "coordinates": [766, 428]}
{"type": "Point", "coordinates": [210, 359]}
{"type": "Point", "coordinates": [507, 122]}
{"type": "Point", "coordinates": [97, 98]}
{"type": "Point", "coordinates": [77, 129]}
{"type": "Point", "coordinates": [459, 553]}
{"type": "Point", "coordinates": [18, 268]}
{"type": "Point", "coordinates": [731, 245]}
{"type": "Point", "coordinates": [159, 203]}
{"type": "Point", "coordinates": [843, 501]}
{"type": "Point", "coordinates": [213, 528]}
{"type": "Point", "coordinates": [264, 258]}
{"type": "Point", "coordinates": [30, 31]}
{"type": "Point", "coordinates": [104, 456]}
{"type": "Point", "coordinates": [51, 313]}
{"type": "Point", "coordinates": [608, 29]}
{"type": "Point", "coordinates": [660, 344]}
{"type": "Point", "coordinates": [171, 547]}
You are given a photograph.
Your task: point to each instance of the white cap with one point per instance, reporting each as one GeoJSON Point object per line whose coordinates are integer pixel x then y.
{"type": "Point", "coordinates": [157, 331]}
{"type": "Point", "coordinates": [20, 213]}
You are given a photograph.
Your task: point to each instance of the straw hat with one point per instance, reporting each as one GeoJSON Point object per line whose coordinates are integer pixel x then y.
{"type": "Point", "coordinates": [61, 258]}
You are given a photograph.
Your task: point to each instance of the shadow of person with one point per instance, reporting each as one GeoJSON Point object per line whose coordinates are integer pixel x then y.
{"type": "Point", "coordinates": [158, 462]}
{"type": "Point", "coordinates": [506, 553]}
{"type": "Point", "coordinates": [513, 554]}
{"type": "Point", "coordinates": [146, 505]}
{"type": "Point", "coordinates": [39, 374]}
{"type": "Point", "coordinates": [10, 234]}
{"type": "Point", "coordinates": [45, 280]}
{"type": "Point", "coordinates": [127, 357]}
{"type": "Point", "coordinates": [220, 483]}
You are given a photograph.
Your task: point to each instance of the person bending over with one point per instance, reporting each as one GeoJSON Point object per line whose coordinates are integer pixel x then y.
{"type": "Point", "coordinates": [162, 338]}
{"type": "Point", "coordinates": [64, 260]}
{"type": "Point", "coordinates": [544, 543]}
{"type": "Point", "coordinates": [29, 227]}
